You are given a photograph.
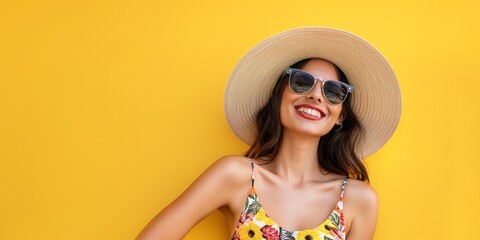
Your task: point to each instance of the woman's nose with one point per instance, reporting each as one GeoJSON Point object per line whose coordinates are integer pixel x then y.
{"type": "Point", "coordinates": [316, 92]}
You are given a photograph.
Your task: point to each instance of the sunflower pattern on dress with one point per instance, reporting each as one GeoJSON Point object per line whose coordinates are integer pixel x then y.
{"type": "Point", "coordinates": [255, 224]}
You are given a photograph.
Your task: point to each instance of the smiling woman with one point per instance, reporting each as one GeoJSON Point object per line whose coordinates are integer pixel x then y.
{"type": "Point", "coordinates": [307, 139]}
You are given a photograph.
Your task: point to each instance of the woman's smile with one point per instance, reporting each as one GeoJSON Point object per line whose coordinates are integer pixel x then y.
{"type": "Point", "coordinates": [310, 112]}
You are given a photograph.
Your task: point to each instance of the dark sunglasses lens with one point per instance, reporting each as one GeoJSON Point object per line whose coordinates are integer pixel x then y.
{"type": "Point", "coordinates": [301, 82]}
{"type": "Point", "coordinates": [335, 92]}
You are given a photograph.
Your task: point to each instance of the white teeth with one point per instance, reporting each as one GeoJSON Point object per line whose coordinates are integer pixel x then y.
{"type": "Point", "coordinates": [309, 111]}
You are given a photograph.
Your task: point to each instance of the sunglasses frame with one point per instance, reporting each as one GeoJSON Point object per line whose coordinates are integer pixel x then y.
{"type": "Point", "coordinates": [290, 71]}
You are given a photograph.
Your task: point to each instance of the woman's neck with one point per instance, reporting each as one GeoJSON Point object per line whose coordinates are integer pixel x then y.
{"type": "Point", "coordinates": [297, 160]}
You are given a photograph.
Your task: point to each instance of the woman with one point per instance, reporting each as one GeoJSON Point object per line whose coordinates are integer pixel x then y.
{"type": "Point", "coordinates": [311, 102]}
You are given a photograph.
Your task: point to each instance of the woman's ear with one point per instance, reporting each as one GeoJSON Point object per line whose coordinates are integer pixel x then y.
{"type": "Point", "coordinates": [341, 117]}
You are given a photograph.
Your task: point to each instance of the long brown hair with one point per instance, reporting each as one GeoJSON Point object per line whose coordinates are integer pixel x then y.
{"type": "Point", "coordinates": [337, 150]}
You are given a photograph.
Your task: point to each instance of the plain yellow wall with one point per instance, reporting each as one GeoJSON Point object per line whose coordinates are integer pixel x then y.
{"type": "Point", "coordinates": [110, 109]}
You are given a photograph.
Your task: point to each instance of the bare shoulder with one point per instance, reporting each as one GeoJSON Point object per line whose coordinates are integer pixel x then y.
{"type": "Point", "coordinates": [232, 168]}
{"type": "Point", "coordinates": [360, 198]}
{"type": "Point", "coordinates": [235, 172]}
{"type": "Point", "coordinates": [361, 209]}
{"type": "Point", "coordinates": [360, 192]}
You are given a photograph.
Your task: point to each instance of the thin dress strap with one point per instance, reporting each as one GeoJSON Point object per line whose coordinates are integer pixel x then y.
{"type": "Point", "coordinates": [343, 186]}
{"type": "Point", "coordinates": [253, 176]}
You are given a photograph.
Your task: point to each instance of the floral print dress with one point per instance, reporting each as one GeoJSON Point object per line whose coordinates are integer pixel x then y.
{"type": "Point", "coordinates": [255, 224]}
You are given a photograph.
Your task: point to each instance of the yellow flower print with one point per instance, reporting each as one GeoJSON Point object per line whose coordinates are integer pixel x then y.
{"type": "Point", "coordinates": [250, 231]}
{"type": "Point", "coordinates": [323, 227]}
{"type": "Point", "coordinates": [310, 234]}
{"type": "Point", "coordinates": [262, 216]}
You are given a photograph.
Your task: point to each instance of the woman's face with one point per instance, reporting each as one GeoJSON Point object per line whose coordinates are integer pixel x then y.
{"type": "Point", "coordinates": [310, 113]}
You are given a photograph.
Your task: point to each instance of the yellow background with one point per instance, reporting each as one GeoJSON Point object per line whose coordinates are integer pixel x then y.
{"type": "Point", "coordinates": [110, 109]}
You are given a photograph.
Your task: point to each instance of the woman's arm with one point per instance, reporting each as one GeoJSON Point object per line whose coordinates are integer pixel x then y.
{"type": "Point", "coordinates": [361, 206]}
{"type": "Point", "coordinates": [212, 190]}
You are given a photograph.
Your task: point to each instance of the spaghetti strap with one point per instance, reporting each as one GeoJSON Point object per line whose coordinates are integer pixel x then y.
{"type": "Point", "coordinates": [343, 186]}
{"type": "Point", "coordinates": [253, 176]}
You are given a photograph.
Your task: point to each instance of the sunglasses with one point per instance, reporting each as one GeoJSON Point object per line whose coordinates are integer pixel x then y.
{"type": "Point", "coordinates": [300, 82]}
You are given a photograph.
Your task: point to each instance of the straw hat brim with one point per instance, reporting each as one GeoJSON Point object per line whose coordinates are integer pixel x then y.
{"type": "Point", "coordinates": [376, 98]}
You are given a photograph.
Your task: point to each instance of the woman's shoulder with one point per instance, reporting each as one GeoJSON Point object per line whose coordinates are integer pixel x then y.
{"type": "Point", "coordinates": [360, 190]}
{"type": "Point", "coordinates": [360, 195]}
{"type": "Point", "coordinates": [360, 208]}
{"type": "Point", "coordinates": [232, 168]}
{"type": "Point", "coordinates": [233, 164]}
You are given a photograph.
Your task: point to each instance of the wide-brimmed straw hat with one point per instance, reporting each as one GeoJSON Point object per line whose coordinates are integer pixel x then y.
{"type": "Point", "coordinates": [376, 98]}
